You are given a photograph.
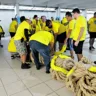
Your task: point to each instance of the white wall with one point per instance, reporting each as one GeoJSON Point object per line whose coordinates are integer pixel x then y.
{"type": "Point", "coordinates": [6, 15]}
{"type": "Point", "coordinates": [30, 14]}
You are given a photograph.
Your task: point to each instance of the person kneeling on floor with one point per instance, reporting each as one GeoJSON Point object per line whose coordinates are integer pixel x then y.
{"type": "Point", "coordinates": [21, 38]}
{"type": "Point", "coordinates": [39, 43]}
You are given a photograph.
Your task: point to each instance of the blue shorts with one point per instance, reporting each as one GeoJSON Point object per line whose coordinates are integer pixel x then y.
{"type": "Point", "coordinates": [71, 44]}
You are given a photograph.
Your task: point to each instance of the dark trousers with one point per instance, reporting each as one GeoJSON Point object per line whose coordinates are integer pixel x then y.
{"type": "Point", "coordinates": [0, 37]}
{"type": "Point", "coordinates": [39, 48]}
{"type": "Point", "coordinates": [28, 53]}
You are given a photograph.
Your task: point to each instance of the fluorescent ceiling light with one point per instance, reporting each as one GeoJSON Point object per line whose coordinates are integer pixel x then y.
{"type": "Point", "coordinates": [91, 12]}
{"type": "Point", "coordinates": [50, 9]}
{"type": "Point", "coordinates": [25, 8]}
{"type": "Point", "coordinates": [6, 7]}
{"type": "Point", "coordinates": [43, 9]}
{"type": "Point", "coordinates": [65, 10]}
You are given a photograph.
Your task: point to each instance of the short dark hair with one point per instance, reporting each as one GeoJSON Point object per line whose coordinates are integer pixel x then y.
{"type": "Point", "coordinates": [76, 10]}
{"type": "Point", "coordinates": [95, 14]}
{"type": "Point", "coordinates": [12, 19]}
{"type": "Point", "coordinates": [35, 16]}
{"type": "Point", "coordinates": [68, 14]}
{"type": "Point", "coordinates": [48, 22]}
{"type": "Point", "coordinates": [22, 18]}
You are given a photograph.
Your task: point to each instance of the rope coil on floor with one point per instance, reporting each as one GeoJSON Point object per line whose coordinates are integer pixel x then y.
{"type": "Point", "coordinates": [80, 80]}
{"type": "Point", "coordinates": [60, 66]}
{"type": "Point", "coordinates": [41, 60]}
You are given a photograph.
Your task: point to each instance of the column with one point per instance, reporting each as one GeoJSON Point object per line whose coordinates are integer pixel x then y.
{"type": "Point", "coordinates": [58, 12]}
{"type": "Point", "coordinates": [17, 9]}
{"type": "Point", "coordinates": [17, 14]}
{"type": "Point", "coordinates": [84, 13]}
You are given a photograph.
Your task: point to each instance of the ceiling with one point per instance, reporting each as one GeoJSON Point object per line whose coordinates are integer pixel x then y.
{"type": "Point", "coordinates": [82, 4]}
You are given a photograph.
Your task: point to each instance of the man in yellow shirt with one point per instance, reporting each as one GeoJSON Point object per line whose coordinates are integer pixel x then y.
{"type": "Point", "coordinates": [70, 29]}
{"type": "Point", "coordinates": [13, 27]}
{"type": "Point", "coordinates": [92, 31]}
{"type": "Point", "coordinates": [43, 23]}
{"type": "Point", "coordinates": [39, 43]}
{"type": "Point", "coordinates": [79, 33]}
{"type": "Point", "coordinates": [65, 22]}
{"type": "Point", "coordinates": [59, 32]}
{"type": "Point", "coordinates": [36, 24]}
{"type": "Point", "coordinates": [21, 37]}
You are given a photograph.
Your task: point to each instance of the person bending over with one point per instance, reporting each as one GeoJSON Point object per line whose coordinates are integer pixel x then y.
{"type": "Point", "coordinates": [39, 44]}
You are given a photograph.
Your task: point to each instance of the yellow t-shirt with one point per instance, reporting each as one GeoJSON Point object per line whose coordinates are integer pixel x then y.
{"type": "Point", "coordinates": [40, 20]}
{"type": "Point", "coordinates": [55, 27]}
{"type": "Point", "coordinates": [57, 21]}
{"type": "Point", "coordinates": [71, 26]}
{"type": "Point", "coordinates": [43, 25]}
{"type": "Point", "coordinates": [58, 28]}
{"type": "Point", "coordinates": [20, 31]}
{"type": "Point", "coordinates": [47, 29]}
{"type": "Point", "coordinates": [1, 30]}
{"type": "Point", "coordinates": [43, 37]}
{"type": "Point", "coordinates": [80, 22]}
{"type": "Point", "coordinates": [92, 23]}
{"type": "Point", "coordinates": [37, 25]}
{"type": "Point", "coordinates": [12, 26]}
{"type": "Point", "coordinates": [62, 29]}
{"type": "Point", "coordinates": [65, 22]}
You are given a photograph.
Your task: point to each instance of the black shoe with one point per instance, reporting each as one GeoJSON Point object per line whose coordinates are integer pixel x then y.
{"type": "Point", "coordinates": [18, 56]}
{"type": "Point", "coordinates": [1, 46]}
{"type": "Point", "coordinates": [48, 72]}
{"type": "Point", "coordinates": [25, 66]}
{"type": "Point", "coordinates": [94, 62]}
{"type": "Point", "coordinates": [90, 48]}
{"type": "Point", "coordinates": [67, 48]}
{"type": "Point", "coordinates": [93, 47]}
{"type": "Point", "coordinates": [38, 68]}
{"type": "Point", "coordinates": [12, 57]}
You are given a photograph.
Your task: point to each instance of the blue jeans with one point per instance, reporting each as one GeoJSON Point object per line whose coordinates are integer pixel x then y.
{"type": "Point", "coordinates": [39, 48]}
{"type": "Point", "coordinates": [71, 44]}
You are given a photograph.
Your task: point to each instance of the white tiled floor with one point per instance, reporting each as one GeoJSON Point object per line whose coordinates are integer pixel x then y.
{"type": "Point", "coordinates": [17, 82]}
